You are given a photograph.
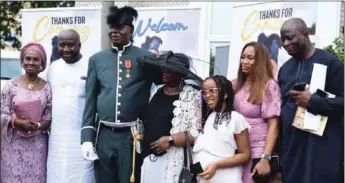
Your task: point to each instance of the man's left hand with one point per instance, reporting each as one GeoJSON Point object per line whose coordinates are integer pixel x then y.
{"type": "Point", "coordinates": [161, 145]}
{"type": "Point", "coordinates": [301, 97]}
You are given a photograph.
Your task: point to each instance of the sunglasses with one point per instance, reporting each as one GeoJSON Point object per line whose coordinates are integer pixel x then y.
{"type": "Point", "coordinates": [211, 91]}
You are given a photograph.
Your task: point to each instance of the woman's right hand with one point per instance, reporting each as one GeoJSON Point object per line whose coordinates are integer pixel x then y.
{"type": "Point", "coordinates": [26, 124]}
{"type": "Point", "coordinates": [209, 171]}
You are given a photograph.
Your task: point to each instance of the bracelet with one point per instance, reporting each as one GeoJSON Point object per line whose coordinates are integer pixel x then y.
{"type": "Point", "coordinates": [39, 126]}
{"type": "Point", "coordinates": [12, 123]}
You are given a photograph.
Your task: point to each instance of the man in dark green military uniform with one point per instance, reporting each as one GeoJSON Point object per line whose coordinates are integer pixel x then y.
{"type": "Point", "coordinates": [117, 91]}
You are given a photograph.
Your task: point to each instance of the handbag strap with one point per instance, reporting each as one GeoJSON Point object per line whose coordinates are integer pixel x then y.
{"type": "Point", "coordinates": [187, 152]}
{"type": "Point", "coordinates": [185, 156]}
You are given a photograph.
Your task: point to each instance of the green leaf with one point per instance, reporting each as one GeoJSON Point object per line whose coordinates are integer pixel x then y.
{"type": "Point", "coordinates": [337, 48]}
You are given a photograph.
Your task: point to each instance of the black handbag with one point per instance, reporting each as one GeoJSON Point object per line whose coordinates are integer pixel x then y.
{"type": "Point", "coordinates": [186, 176]}
{"type": "Point", "coordinates": [274, 165]}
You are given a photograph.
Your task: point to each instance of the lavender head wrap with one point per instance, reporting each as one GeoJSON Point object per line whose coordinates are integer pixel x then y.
{"type": "Point", "coordinates": [39, 49]}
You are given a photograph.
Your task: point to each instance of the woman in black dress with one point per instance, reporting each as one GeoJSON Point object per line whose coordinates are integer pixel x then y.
{"type": "Point", "coordinates": [173, 109]}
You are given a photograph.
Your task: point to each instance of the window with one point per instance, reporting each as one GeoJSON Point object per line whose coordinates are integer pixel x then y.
{"type": "Point", "coordinates": [219, 58]}
{"type": "Point", "coordinates": [10, 68]}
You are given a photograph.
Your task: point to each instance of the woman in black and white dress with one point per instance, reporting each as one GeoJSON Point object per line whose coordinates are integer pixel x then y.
{"type": "Point", "coordinates": [173, 109]}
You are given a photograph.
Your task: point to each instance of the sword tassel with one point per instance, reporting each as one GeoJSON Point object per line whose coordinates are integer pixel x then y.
{"type": "Point", "coordinates": [132, 179]}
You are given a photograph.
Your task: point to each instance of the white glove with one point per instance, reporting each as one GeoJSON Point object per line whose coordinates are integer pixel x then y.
{"type": "Point", "coordinates": [88, 152]}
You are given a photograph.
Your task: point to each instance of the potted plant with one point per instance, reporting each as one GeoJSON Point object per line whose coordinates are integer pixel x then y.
{"type": "Point", "coordinates": [337, 48]}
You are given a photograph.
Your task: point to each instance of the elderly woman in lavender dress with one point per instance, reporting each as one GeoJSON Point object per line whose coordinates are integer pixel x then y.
{"type": "Point", "coordinates": [23, 124]}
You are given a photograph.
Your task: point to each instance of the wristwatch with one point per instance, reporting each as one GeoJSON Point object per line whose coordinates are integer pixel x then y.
{"type": "Point", "coordinates": [171, 141]}
{"type": "Point", "coordinates": [266, 156]}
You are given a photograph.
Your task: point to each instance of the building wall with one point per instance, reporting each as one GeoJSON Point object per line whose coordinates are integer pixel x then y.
{"type": "Point", "coordinates": [180, 3]}
{"type": "Point", "coordinates": [137, 3]}
{"type": "Point", "coordinates": [87, 3]}
{"type": "Point", "coordinates": [342, 17]}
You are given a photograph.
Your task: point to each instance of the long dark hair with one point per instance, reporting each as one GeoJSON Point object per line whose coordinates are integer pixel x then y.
{"type": "Point", "coordinates": [224, 87]}
{"type": "Point", "coordinates": [261, 73]}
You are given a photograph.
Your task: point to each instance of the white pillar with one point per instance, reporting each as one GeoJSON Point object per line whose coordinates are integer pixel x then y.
{"type": "Point", "coordinates": [105, 11]}
{"type": "Point", "coordinates": [327, 24]}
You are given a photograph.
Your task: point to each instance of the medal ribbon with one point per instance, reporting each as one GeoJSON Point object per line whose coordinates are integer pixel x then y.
{"type": "Point", "coordinates": [128, 64]}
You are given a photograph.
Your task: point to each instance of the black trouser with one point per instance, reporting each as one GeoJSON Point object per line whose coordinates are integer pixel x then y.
{"type": "Point", "coordinates": [114, 148]}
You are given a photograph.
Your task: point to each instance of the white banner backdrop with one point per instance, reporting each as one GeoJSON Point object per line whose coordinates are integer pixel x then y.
{"type": "Point", "coordinates": [261, 22]}
{"type": "Point", "coordinates": [43, 25]}
{"type": "Point", "coordinates": [155, 30]}
{"type": "Point", "coordinates": [168, 29]}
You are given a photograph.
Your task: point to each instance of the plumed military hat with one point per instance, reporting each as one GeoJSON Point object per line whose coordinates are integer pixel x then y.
{"type": "Point", "coordinates": [122, 16]}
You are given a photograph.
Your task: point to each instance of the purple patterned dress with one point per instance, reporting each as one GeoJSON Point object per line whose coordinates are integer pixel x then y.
{"type": "Point", "coordinates": [255, 116]}
{"type": "Point", "coordinates": [23, 160]}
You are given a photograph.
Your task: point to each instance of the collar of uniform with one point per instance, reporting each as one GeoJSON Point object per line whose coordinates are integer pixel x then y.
{"type": "Point", "coordinates": [116, 49]}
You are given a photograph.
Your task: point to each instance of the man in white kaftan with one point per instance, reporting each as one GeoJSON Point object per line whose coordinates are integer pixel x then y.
{"type": "Point", "coordinates": [67, 77]}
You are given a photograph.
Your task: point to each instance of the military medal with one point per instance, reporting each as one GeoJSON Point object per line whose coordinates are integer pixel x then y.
{"type": "Point", "coordinates": [128, 66]}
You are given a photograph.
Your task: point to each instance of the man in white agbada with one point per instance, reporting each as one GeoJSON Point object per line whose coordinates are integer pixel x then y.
{"type": "Point", "coordinates": [67, 78]}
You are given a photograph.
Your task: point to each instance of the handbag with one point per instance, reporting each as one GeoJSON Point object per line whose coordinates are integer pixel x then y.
{"type": "Point", "coordinates": [29, 109]}
{"type": "Point", "coordinates": [274, 165]}
{"type": "Point", "coordinates": [186, 176]}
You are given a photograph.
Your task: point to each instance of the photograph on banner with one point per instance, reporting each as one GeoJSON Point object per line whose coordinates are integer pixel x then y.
{"type": "Point", "coordinates": [160, 30]}
{"type": "Point", "coordinates": [43, 26]}
{"type": "Point", "coordinates": [262, 23]}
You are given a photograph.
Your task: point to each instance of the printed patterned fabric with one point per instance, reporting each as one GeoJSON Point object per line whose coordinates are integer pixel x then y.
{"type": "Point", "coordinates": [23, 160]}
{"type": "Point", "coordinates": [187, 117]}
{"type": "Point", "coordinates": [30, 109]}
{"type": "Point", "coordinates": [257, 116]}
